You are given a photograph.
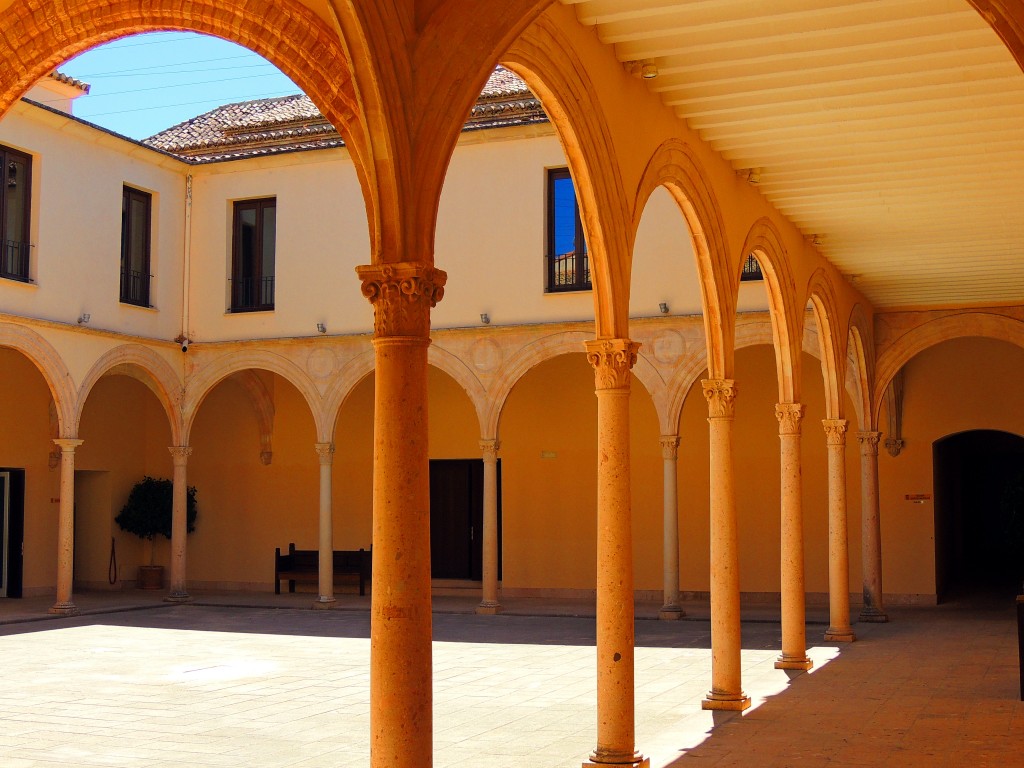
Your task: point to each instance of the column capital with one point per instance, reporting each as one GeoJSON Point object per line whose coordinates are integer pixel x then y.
{"type": "Point", "coordinates": [835, 431]}
{"type": "Point", "coordinates": [325, 451]}
{"type": "Point", "coordinates": [180, 454]}
{"type": "Point", "coordinates": [612, 360]}
{"type": "Point", "coordinates": [869, 442]}
{"type": "Point", "coordinates": [669, 447]}
{"type": "Point", "coordinates": [790, 416]}
{"type": "Point", "coordinates": [402, 294]}
{"type": "Point", "coordinates": [490, 449]}
{"type": "Point", "coordinates": [67, 444]}
{"type": "Point", "coordinates": [721, 397]}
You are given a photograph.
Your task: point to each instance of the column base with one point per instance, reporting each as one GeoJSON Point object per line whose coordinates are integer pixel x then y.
{"type": "Point", "coordinates": [793, 662]}
{"type": "Point", "coordinates": [178, 597]}
{"type": "Point", "coordinates": [488, 608]}
{"type": "Point", "coordinates": [729, 702]}
{"type": "Point", "coordinates": [873, 616]}
{"type": "Point", "coordinates": [833, 635]}
{"type": "Point", "coordinates": [635, 761]}
{"type": "Point", "coordinates": [323, 603]}
{"type": "Point", "coordinates": [671, 612]}
{"type": "Point", "coordinates": [64, 609]}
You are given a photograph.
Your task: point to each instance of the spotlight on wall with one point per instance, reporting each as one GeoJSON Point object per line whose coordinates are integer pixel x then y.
{"type": "Point", "coordinates": [754, 176]}
{"type": "Point", "coordinates": [663, 308]}
{"type": "Point", "coordinates": [84, 319]}
{"type": "Point", "coordinates": [485, 318]}
{"type": "Point", "coordinates": [321, 328]}
{"type": "Point", "coordinates": [649, 71]}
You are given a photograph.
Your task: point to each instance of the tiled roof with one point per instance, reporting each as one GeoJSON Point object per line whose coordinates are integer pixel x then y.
{"type": "Point", "coordinates": [292, 123]}
{"type": "Point", "coordinates": [60, 77]}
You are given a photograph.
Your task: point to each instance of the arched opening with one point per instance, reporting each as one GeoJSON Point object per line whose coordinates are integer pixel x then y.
{"type": "Point", "coordinates": [979, 513]}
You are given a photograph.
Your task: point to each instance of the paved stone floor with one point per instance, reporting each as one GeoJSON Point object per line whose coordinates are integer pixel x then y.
{"type": "Point", "coordinates": [231, 682]}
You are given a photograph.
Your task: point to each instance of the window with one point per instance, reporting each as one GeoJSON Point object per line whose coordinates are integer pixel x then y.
{"type": "Point", "coordinates": [136, 207]}
{"type": "Point", "coordinates": [751, 270]}
{"type": "Point", "coordinates": [568, 266]}
{"type": "Point", "coordinates": [253, 252]}
{"type": "Point", "coordinates": [14, 214]}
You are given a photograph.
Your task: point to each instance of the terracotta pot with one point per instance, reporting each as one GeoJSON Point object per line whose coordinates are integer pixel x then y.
{"type": "Point", "coordinates": [151, 577]}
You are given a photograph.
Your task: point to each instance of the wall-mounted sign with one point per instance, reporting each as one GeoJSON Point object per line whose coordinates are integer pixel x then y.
{"type": "Point", "coordinates": [918, 497]}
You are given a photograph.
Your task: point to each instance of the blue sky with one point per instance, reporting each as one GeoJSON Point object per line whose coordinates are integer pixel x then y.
{"type": "Point", "coordinates": [145, 83]}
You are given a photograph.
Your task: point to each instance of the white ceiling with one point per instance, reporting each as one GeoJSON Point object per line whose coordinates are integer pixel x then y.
{"type": "Point", "coordinates": [892, 130]}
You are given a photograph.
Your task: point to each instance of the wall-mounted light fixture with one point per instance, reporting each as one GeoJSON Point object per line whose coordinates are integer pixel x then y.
{"type": "Point", "coordinates": [84, 319]}
{"type": "Point", "coordinates": [485, 318]}
{"type": "Point", "coordinates": [321, 328]}
{"type": "Point", "coordinates": [648, 71]}
{"type": "Point", "coordinates": [663, 308]}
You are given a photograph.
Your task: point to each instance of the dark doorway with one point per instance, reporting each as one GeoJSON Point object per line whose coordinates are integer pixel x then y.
{"type": "Point", "coordinates": [12, 530]}
{"type": "Point", "coordinates": [979, 531]}
{"type": "Point", "coordinates": [456, 518]}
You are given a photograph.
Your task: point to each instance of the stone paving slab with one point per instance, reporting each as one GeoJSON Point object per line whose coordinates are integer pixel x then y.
{"type": "Point", "coordinates": [203, 685]}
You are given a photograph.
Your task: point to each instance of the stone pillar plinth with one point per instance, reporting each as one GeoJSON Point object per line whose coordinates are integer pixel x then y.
{"type": "Point", "coordinates": [726, 684]}
{"type": "Point", "coordinates": [401, 691]}
{"type": "Point", "coordinates": [612, 360]}
{"type": "Point", "coordinates": [839, 629]}
{"type": "Point", "coordinates": [794, 633]}
{"type": "Point", "coordinates": [64, 604]}
{"type": "Point", "coordinates": [325, 454]}
{"type": "Point", "coordinates": [671, 608]}
{"type": "Point", "coordinates": [871, 529]}
{"type": "Point", "coordinates": [489, 604]}
{"type": "Point", "coordinates": [179, 524]}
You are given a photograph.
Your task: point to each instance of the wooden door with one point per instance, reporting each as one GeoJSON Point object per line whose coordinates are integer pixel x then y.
{"type": "Point", "coordinates": [456, 518]}
{"type": "Point", "coordinates": [12, 514]}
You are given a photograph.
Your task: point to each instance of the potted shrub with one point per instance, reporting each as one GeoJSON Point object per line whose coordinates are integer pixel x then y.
{"type": "Point", "coordinates": [148, 512]}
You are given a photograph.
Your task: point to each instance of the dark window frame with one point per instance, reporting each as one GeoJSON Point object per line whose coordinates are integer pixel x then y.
{"type": "Point", "coordinates": [135, 283]}
{"type": "Point", "coordinates": [14, 254]}
{"type": "Point", "coordinates": [253, 293]}
{"type": "Point", "coordinates": [569, 271]}
{"type": "Point", "coordinates": [751, 269]}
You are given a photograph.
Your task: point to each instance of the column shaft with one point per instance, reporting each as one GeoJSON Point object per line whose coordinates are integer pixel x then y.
{"type": "Point", "coordinates": [794, 633]}
{"type": "Point", "coordinates": [179, 523]}
{"type": "Point", "coordinates": [670, 608]}
{"type": "Point", "coordinates": [838, 550]}
{"type": "Point", "coordinates": [66, 528]}
{"type": "Point", "coordinates": [726, 685]}
{"type": "Point", "coordinates": [489, 603]}
{"type": "Point", "coordinates": [616, 737]}
{"type": "Point", "coordinates": [325, 453]}
{"type": "Point", "coordinates": [871, 529]}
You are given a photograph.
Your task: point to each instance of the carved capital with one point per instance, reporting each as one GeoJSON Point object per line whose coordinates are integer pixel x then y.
{"type": "Point", "coordinates": [325, 451]}
{"type": "Point", "coordinates": [266, 457]}
{"type": "Point", "coordinates": [721, 397]}
{"type": "Point", "coordinates": [790, 416]}
{"type": "Point", "coordinates": [490, 449]}
{"type": "Point", "coordinates": [893, 445]}
{"type": "Point", "coordinates": [612, 360]}
{"type": "Point", "coordinates": [835, 431]}
{"type": "Point", "coordinates": [669, 447]}
{"type": "Point", "coordinates": [869, 442]}
{"type": "Point", "coordinates": [67, 445]}
{"type": "Point", "coordinates": [402, 295]}
{"type": "Point", "coordinates": [180, 454]}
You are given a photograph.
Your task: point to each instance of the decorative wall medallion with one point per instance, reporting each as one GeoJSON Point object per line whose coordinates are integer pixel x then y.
{"type": "Point", "coordinates": [321, 363]}
{"type": "Point", "coordinates": [486, 355]}
{"type": "Point", "coordinates": [668, 346]}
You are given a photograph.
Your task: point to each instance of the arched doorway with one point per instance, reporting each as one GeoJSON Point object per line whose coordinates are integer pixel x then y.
{"type": "Point", "coordinates": [979, 533]}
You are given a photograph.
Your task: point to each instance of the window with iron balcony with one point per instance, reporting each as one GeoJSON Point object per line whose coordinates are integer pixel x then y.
{"type": "Point", "coordinates": [568, 267]}
{"type": "Point", "coordinates": [15, 215]}
{"type": "Point", "coordinates": [136, 226]}
{"type": "Point", "coordinates": [253, 255]}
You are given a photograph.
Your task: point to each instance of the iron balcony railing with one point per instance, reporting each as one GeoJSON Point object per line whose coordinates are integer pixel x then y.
{"type": "Point", "coordinates": [135, 287]}
{"type": "Point", "coordinates": [14, 260]}
{"type": "Point", "coordinates": [252, 294]}
{"type": "Point", "coordinates": [569, 272]}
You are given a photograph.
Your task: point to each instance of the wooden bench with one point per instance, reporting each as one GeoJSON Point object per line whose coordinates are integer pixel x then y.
{"type": "Point", "coordinates": [304, 565]}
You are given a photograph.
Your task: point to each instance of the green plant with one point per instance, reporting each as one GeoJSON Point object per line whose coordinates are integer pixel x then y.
{"type": "Point", "coordinates": [148, 509]}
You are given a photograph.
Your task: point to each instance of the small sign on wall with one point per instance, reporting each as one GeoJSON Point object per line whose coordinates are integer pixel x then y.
{"type": "Point", "coordinates": [918, 498]}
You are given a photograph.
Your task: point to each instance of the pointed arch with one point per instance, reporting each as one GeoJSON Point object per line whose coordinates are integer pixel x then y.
{"type": "Point", "coordinates": [445, 361]}
{"type": "Point", "coordinates": [51, 366]}
{"type": "Point", "coordinates": [832, 341]}
{"type": "Point", "coordinates": [861, 359]}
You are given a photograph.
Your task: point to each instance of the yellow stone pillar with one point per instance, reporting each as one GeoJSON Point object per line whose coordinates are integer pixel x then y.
{"type": "Point", "coordinates": [179, 523]}
{"type": "Point", "coordinates": [401, 696]}
{"type": "Point", "coordinates": [670, 608]}
{"type": "Point", "coordinates": [839, 629]}
{"type": "Point", "coordinates": [325, 454]}
{"type": "Point", "coordinates": [616, 736]}
{"type": "Point", "coordinates": [871, 529]}
{"type": "Point", "coordinates": [489, 604]}
{"type": "Point", "coordinates": [794, 632]}
{"type": "Point", "coordinates": [64, 604]}
{"type": "Point", "coordinates": [726, 685]}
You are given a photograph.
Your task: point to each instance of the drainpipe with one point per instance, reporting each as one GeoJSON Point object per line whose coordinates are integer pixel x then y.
{"type": "Point", "coordinates": [187, 260]}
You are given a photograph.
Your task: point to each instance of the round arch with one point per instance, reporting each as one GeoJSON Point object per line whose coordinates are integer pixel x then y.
{"type": "Point", "coordinates": [51, 366]}
{"type": "Point", "coordinates": [861, 355]}
{"type": "Point", "coordinates": [822, 298]}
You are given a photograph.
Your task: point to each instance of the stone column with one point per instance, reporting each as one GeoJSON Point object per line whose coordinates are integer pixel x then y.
{"type": "Point", "coordinates": [794, 634]}
{"type": "Point", "coordinates": [179, 524]}
{"type": "Point", "coordinates": [726, 688]}
{"type": "Point", "coordinates": [401, 695]}
{"type": "Point", "coordinates": [616, 743]}
{"type": "Point", "coordinates": [871, 529]}
{"type": "Point", "coordinates": [325, 453]}
{"type": "Point", "coordinates": [670, 553]}
{"type": "Point", "coordinates": [66, 528]}
{"type": "Point", "coordinates": [839, 629]}
{"type": "Point", "coordinates": [489, 604]}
